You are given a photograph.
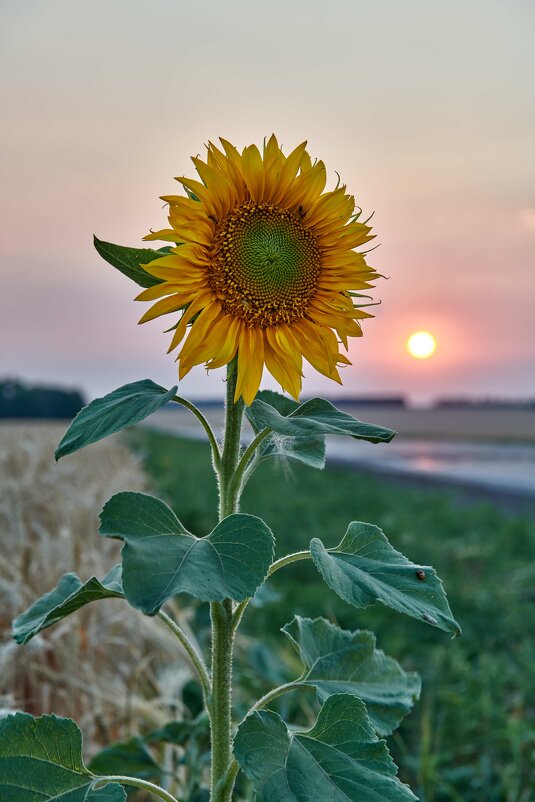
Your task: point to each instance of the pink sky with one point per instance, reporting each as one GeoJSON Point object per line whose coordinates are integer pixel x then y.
{"type": "Point", "coordinates": [427, 110]}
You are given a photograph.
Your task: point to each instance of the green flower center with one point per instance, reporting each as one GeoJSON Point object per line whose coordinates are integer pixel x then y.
{"type": "Point", "coordinates": [266, 265]}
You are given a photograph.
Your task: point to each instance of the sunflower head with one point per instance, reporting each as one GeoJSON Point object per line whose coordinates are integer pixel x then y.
{"type": "Point", "coordinates": [263, 267]}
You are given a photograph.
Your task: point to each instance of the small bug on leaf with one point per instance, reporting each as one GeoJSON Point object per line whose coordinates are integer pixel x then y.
{"type": "Point", "coordinates": [420, 574]}
{"type": "Point", "coordinates": [429, 619]}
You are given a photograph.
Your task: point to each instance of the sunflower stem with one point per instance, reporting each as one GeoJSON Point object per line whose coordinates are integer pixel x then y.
{"type": "Point", "coordinates": [223, 631]}
{"type": "Point", "coordinates": [288, 559]}
{"type": "Point", "coordinates": [247, 457]}
{"type": "Point", "coordinates": [100, 782]}
{"type": "Point", "coordinates": [193, 655]}
{"type": "Point", "coordinates": [230, 456]}
{"type": "Point", "coordinates": [276, 692]}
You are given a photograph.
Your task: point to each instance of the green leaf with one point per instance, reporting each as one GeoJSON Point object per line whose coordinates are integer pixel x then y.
{"type": "Point", "coordinates": [41, 760]}
{"type": "Point", "coordinates": [199, 795]}
{"type": "Point", "coordinates": [123, 407]}
{"type": "Point", "coordinates": [284, 405]}
{"type": "Point", "coordinates": [308, 449]}
{"type": "Point", "coordinates": [179, 732]}
{"type": "Point", "coordinates": [192, 698]}
{"type": "Point", "coordinates": [130, 758]}
{"type": "Point", "coordinates": [339, 661]}
{"type": "Point", "coordinates": [314, 417]}
{"type": "Point", "coordinates": [340, 759]}
{"type": "Point", "coordinates": [130, 261]}
{"type": "Point", "coordinates": [365, 569]}
{"type": "Point", "coordinates": [161, 559]}
{"type": "Point", "coordinates": [68, 596]}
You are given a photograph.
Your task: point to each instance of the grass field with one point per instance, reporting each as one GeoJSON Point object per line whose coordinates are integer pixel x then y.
{"type": "Point", "coordinates": [472, 736]}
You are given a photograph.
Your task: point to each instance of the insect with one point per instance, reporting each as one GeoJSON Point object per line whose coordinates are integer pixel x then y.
{"type": "Point", "coordinates": [420, 574]}
{"type": "Point", "coordinates": [429, 619]}
{"type": "Point", "coordinates": [301, 212]}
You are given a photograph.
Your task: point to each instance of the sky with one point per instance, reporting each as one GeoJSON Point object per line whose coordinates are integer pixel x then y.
{"type": "Point", "coordinates": [425, 108]}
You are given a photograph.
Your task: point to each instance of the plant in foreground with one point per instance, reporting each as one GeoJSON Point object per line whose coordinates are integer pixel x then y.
{"type": "Point", "coordinates": [262, 272]}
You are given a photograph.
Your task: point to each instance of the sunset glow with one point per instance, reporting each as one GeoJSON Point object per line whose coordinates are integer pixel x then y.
{"type": "Point", "coordinates": [421, 345]}
{"type": "Point", "coordinates": [429, 156]}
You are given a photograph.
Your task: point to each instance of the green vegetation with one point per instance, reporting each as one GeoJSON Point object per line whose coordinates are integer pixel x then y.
{"type": "Point", "coordinates": [472, 735]}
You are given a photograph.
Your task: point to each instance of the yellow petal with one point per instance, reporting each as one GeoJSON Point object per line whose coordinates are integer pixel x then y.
{"type": "Point", "coordinates": [224, 335]}
{"type": "Point", "coordinates": [286, 343]}
{"type": "Point", "coordinates": [197, 346]}
{"type": "Point", "coordinates": [165, 235]}
{"type": "Point", "coordinates": [253, 172]}
{"type": "Point", "coordinates": [156, 291]}
{"type": "Point", "coordinates": [288, 173]}
{"type": "Point", "coordinates": [163, 307]}
{"type": "Point", "coordinates": [250, 364]}
{"type": "Point", "coordinates": [196, 305]}
{"type": "Point", "coordinates": [288, 378]}
{"type": "Point", "coordinates": [218, 185]}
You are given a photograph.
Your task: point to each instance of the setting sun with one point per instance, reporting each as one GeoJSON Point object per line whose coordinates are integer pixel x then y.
{"type": "Point", "coordinates": [421, 345]}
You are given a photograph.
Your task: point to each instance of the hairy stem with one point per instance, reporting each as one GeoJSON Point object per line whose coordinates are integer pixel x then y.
{"type": "Point", "coordinates": [137, 783]}
{"type": "Point", "coordinates": [222, 612]}
{"type": "Point", "coordinates": [238, 613]}
{"type": "Point", "coordinates": [244, 463]}
{"type": "Point", "coordinates": [194, 656]}
{"type": "Point", "coordinates": [276, 692]}
{"type": "Point", "coordinates": [221, 721]}
{"type": "Point", "coordinates": [227, 785]}
{"type": "Point", "coordinates": [230, 456]}
{"type": "Point", "coordinates": [287, 560]}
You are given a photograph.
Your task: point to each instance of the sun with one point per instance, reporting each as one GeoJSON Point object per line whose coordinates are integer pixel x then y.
{"type": "Point", "coordinates": [421, 345]}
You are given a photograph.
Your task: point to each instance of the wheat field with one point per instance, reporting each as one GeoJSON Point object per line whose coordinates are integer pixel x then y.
{"type": "Point", "coordinates": [115, 671]}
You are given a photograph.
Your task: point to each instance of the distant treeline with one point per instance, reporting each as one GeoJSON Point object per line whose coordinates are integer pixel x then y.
{"type": "Point", "coordinates": [485, 403]}
{"type": "Point", "coordinates": [18, 400]}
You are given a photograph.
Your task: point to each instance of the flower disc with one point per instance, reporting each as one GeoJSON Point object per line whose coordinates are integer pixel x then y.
{"type": "Point", "coordinates": [263, 267]}
{"type": "Point", "coordinates": [267, 265]}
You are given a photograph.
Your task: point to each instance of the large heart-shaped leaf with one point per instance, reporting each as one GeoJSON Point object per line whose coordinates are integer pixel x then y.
{"type": "Point", "coordinates": [121, 408]}
{"type": "Point", "coordinates": [340, 759]}
{"type": "Point", "coordinates": [161, 559]}
{"type": "Point", "coordinates": [41, 761]}
{"type": "Point", "coordinates": [365, 569]}
{"type": "Point", "coordinates": [314, 417]}
{"type": "Point", "coordinates": [339, 661]}
{"type": "Point", "coordinates": [68, 596]}
{"type": "Point", "coordinates": [308, 449]}
{"type": "Point", "coordinates": [130, 261]}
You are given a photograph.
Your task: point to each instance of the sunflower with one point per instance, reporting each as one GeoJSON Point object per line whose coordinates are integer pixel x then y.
{"type": "Point", "coordinates": [263, 267]}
